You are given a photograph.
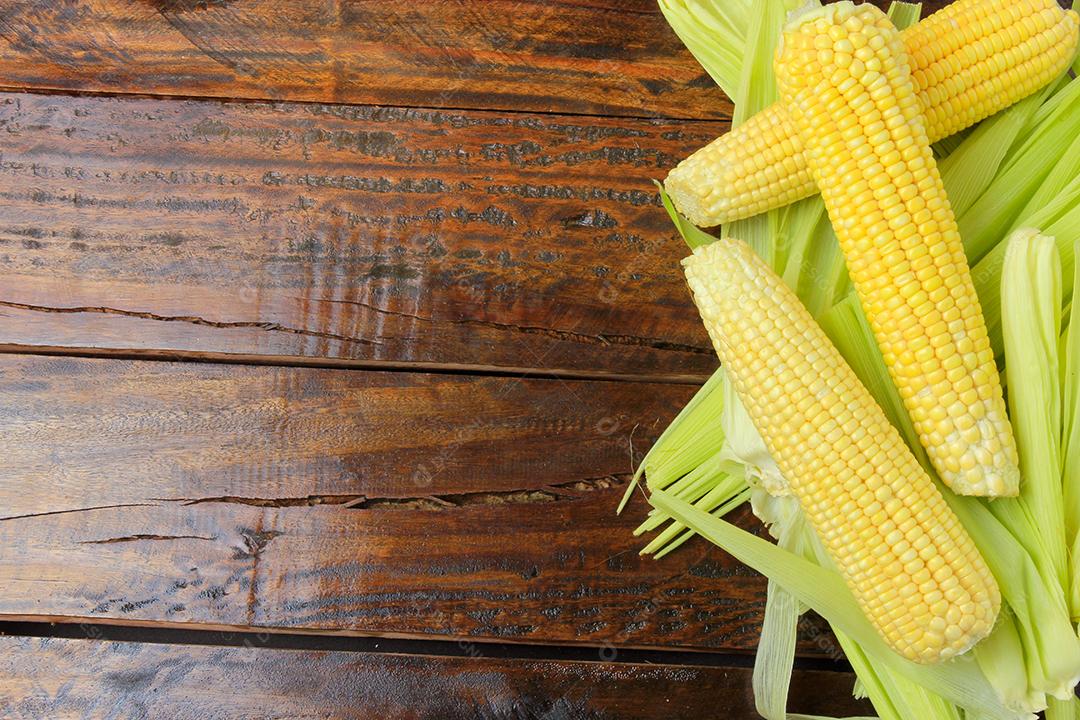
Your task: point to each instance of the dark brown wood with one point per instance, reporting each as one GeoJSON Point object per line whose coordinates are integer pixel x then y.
{"type": "Point", "coordinates": [362, 234]}
{"type": "Point", "coordinates": [91, 679]}
{"type": "Point", "coordinates": [928, 6]}
{"type": "Point", "coordinates": [342, 501]}
{"type": "Point", "coordinates": [579, 56]}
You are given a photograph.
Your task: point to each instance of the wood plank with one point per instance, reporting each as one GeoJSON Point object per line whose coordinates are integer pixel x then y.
{"type": "Point", "coordinates": [88, 679]}
{"type": "Point", "coordinates": [571, 56]}
{"type": "Point", "coordinates": [359, 234]}
{"type": "Point", "coordinates": [343, 501]}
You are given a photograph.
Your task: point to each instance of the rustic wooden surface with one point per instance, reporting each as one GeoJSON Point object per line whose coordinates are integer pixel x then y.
{"type": "Point", "coordinates": [375, 502]}
{"type": "Point", "coordinates": [180, 682]}
{"type": "Point", "coordinates": [352, 318]}
{"type": "Point", "coordinates": [316, 231]}
{"type": "Point", "coordinates": [603, 57]}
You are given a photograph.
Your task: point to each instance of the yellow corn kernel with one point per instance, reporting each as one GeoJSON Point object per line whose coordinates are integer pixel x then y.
{"type": "Point", "coordinates": [921, 307]}
{"type": "Point", "coordinates": [968, 60]}
{"type": "Point", "coordinates": [912, 567]}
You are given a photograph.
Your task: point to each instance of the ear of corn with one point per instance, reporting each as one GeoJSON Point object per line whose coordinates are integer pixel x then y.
{"type": "Point", "coordinates": [844, 77]}
{"type": "Point", "coordinates": [1076, 59]}
{"type": "Point", "coordinates": [911, 566]}
{"type": "Point", "coordinates": [969, 60]}
{"type": "Point", "coordinates": [1034, 157]}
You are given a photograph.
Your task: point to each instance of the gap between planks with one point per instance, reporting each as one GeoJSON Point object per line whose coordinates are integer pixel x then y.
{"type": "Point", "coordinates": [347, 364]}
{"type": "Point", "coordinates": [722, 121]}
{"type": "Point", "coordinates": [72, 628]}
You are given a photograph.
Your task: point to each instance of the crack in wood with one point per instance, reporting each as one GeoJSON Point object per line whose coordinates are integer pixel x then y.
{"type": "Point", "coordinates": [369, 306]}
{"type": "Point", "coordinates": [567, 335]}
{"type": "Point", "coordinates": [194, 320]}
{"type": "Point", "coordinates": [305, 501]}
{"type": "Point", "coordinates": [544, 494]}
{"type": "Point", "coordinates": [74, 510]}
{"type": "Point", "coordinates": [136, 538]}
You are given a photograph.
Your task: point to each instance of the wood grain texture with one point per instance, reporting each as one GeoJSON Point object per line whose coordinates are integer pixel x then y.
{"type": "Point", "coordinates": [361, 234]}
{"type": "Point", "coordinates": [89, 680]}
{"type": "Point", "coordinates": [342, 501]}
{"type": "Point", "coordinates": [571, 56]}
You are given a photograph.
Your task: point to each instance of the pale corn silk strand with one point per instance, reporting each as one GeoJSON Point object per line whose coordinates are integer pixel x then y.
{"type": "Point", "coordinates": [843, 75]}
{"type": "Point", "coordinates": [968, 61]}
{"type": "Point", "coordinates": [911, 566]}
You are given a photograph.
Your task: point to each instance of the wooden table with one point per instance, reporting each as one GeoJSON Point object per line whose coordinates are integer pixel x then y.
{"type": "Point", "coordinates": [331, 334]}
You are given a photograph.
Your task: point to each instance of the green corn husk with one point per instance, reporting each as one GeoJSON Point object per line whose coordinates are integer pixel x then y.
{"type": "Point", "coordinates": [1031, 296]}
{"type": "Point", "coordinates": [1062, 709]}
{"type": "Point", "coordinates": [779, 629]}
{"type": "Point", "coordinates": [1070, 447]}
{"type": "Point", "coordinates": [690, 440]}
{"type": "Point", "coordinates": [715, 34]}
{"type": "Point", "coordinates": [1001, 658]}
{"type": "Point", "coordinates": [987, 273]}
{"type": "Point", "coordinates": [997, 211]}
{"type": "Point", "coordinates": [969, 169]}
{"type": "Point", "coordinates": [904, 14]}
{"type": "Point", "coordinates": [958, 681]}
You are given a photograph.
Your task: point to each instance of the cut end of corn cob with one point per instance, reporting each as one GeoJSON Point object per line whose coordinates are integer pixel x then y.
{"type": "Point", "coordinates": [968, 61]}
{"type": "Point", "coordinates": [844, 76]}
{"type": "Point", "coordinates": [911, 566]}
{"type": "Point", "coordinates": [754, 168]}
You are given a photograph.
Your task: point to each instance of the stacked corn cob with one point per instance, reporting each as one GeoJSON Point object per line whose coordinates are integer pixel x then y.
{"type": "Point", "coordinates": [968, 61]}
{"type": "Point", "coordinates": [843, 75]}
{"type": "Point", "coordinates": [911, 566]}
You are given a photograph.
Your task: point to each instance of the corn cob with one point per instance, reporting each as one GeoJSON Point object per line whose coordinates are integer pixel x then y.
{"type": "Point", "coordinates": [912, 567]}
{"type": "Point", "coordinates": [968, 60]}
{"type": "Point", "coordinates": [843, 75]}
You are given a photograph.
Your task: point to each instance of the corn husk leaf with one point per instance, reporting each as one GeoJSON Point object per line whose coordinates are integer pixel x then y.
{"type": "Point", "coordinates": [1070, 441]}
{"type": "Point", "coordinates": [756, 91]}
{"type": "Point", "coordinates": [969, 170]}
{"type": "Point", "coordinates": [1063, 709]}
{"type": "Point", "coordinates": [779, 632]}
{"type": "Point", "coordinates": [987, 273]}
{"type": "Point", "coordinates": [904, 14]}
{"type": "Point", "coordinates": [958, 681]}
{"type": "Point", "coordinates": [680, 448]}
{"type": "Point", "coordinates": [715, 34]}
{"type": "Point", "coordinates": [1031, 320]}
{"type": "Point", "coordinates": [1001, 658]}
{"type": "Point", "coordinates": [1052, 127]}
